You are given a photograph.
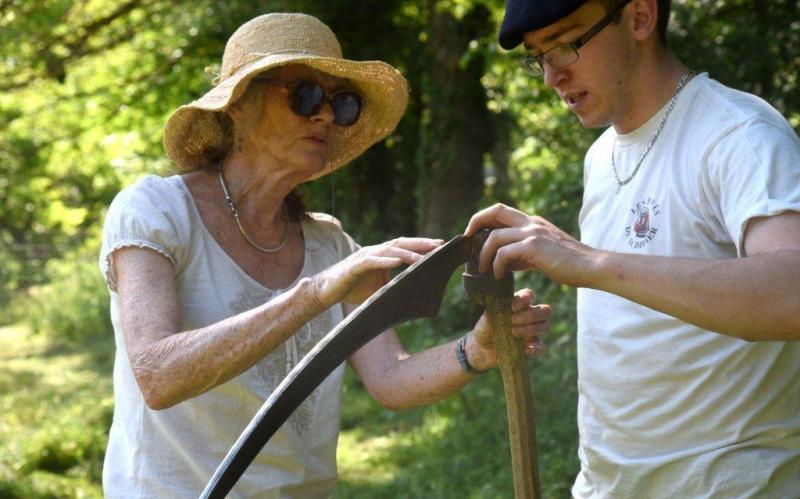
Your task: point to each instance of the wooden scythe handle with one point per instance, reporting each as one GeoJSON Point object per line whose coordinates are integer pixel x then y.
{"type": "Point", "coordinates": [496, 296]}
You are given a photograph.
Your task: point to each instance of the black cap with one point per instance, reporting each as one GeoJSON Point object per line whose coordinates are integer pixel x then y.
{"type": "Point", "coordinates": [529, 15]}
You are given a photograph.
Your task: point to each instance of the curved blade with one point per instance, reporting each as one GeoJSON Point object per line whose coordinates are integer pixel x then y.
{"type": "Point", "coordinates": [416, 292]}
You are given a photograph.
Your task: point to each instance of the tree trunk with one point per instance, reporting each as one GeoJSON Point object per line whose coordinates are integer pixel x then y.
{"type": "Point", "coordinates": [458, 133]}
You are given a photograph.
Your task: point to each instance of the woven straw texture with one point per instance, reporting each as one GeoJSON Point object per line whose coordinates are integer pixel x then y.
{"type": "Point", "coordinates": [193, 132]}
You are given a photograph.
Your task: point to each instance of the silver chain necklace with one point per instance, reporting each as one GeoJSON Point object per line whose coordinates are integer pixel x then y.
{"type": "Point", "coordinates": [235, 212]}
{"type": "Point", "coordinates": [620, 183]}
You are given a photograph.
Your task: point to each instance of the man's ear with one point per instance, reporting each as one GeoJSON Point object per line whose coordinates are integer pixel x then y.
{"type": "Point", "coordinates": [643, 16]}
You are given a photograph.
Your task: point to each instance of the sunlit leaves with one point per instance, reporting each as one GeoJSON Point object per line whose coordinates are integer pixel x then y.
{"type": "Point", "coordinates": [87, 87]}
{"type": "Point", "coordinates": [748, 44]}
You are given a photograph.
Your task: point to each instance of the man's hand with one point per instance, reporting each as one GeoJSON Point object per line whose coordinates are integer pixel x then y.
{"type": "Point", "coordinates": [523, 242]}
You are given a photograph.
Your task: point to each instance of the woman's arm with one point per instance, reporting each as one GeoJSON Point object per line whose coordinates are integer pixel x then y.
{"type": "Point", "coordinates": [399, 380]}
{"type": "Point", "coordinates": [171, 365]}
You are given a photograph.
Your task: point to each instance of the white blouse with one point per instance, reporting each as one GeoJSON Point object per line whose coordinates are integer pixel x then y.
{"type": "Point", "coordinates": [174, 452]}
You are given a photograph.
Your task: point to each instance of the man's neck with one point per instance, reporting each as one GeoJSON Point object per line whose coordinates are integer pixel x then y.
{"type": "Point", "coordinates": [651, 87]}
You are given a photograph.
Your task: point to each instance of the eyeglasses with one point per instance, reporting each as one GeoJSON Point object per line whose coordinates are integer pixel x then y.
{"type": "Point", "coordinates": [564, 55]}
{"type": "Point", "coordinates": [306, 98]}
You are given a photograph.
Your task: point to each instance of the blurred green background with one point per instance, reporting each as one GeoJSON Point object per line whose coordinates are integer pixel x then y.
{"type": "Point", "coordinates": [85, 87]}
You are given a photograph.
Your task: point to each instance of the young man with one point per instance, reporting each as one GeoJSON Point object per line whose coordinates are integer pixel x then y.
{"type": "Point", "coordinates": [689, 256]}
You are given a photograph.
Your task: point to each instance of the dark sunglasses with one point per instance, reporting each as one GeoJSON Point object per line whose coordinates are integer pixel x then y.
{"type": "Point", "coordinates": [306, 98]}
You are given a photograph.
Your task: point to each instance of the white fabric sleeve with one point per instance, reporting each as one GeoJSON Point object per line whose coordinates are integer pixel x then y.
{"type": "Point", "coordinates": [151, 214]}
{"type": "Point", "coordinates": [753, 171]}
{"type": "Point", "coordinates": [348, 246]}
{"type": "Point", "coordinates": [342, 244]}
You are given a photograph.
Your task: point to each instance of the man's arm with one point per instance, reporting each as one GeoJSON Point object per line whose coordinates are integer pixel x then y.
{"type": "Point", "coordinates": [756, 297]}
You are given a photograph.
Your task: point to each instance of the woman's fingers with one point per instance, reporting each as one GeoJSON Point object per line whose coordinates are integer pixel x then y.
{"type": "Point", "coordinates": [372, 263]}
{"type": "Point", "coordinates": [522, 299]}
{"type": "Point", "coordinates": [535, 348]}
{"type": "Point", "coordinates": [403, 250]}
{"type": "Point", "coordinates": [366, 270]}
{"type": "Point", "coordinates": [416, 244]}
{"type": "Point", "coordinates": [532, 314]}
{"type": "Point", "coordinates": [531, 330]}
{"type": "Point", "coordinates": [530, 321]}
{"type": "Point", "coordinates": [385, 257]}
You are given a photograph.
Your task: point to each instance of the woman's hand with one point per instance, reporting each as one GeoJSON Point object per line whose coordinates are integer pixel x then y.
{"type": "Point", "coordinates": [358, 276]}
{"type": "Point", "coordinates": [528, 321]}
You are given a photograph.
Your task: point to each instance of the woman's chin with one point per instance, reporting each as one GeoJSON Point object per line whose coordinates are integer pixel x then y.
{"type": "Point", "coordinates": [315, 166]}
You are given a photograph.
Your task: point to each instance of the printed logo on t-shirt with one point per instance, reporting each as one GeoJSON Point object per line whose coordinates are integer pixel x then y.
{"type": "Point", "coordinates": [642, 227]}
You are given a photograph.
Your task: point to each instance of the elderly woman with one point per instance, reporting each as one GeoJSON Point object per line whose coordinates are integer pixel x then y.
{"type": "Point", "coordinates": [221, 281]}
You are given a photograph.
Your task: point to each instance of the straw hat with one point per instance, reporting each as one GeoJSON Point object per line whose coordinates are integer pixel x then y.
{"type": "Point", "coordinates": [194, 132]}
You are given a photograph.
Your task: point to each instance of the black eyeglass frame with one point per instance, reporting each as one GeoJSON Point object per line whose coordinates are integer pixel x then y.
{"type": "Point", "coordinates": [534, 64]}
{"type": "Point", "coordinates": [292, 86]}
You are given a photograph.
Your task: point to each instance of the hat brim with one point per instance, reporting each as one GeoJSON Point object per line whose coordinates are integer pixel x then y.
{"type": "Point", "coordinates": [192, 130]}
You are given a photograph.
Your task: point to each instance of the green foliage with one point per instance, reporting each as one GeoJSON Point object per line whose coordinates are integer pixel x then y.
{"type": "Point", "coordinates": [66, 392]}
{"type": "Point", "coordinates": [73, 305]}
{"type": "Point", "coordinates": [85, 88]}
{"type": "Point", "coordinates": [419, 453]}
{"type": "Point", "coordinates": [59, 450]}
{"type": "Point", "coordinates": [748, 44]}
{"type": "Point", "coordinates": [44, 485]}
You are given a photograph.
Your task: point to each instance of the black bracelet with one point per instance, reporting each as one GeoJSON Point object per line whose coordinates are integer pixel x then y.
{"type": "Point", "coordinates": [461, 355]}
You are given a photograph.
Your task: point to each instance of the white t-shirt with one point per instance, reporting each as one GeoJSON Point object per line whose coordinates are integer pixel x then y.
{"type": "Point", "coordinates": [667, 409]}
{"type": "Point", "coordinates": [174, 452]}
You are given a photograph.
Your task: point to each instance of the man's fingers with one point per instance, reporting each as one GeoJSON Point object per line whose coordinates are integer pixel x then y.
{"type": "Point", "coordinates": [495, 216]}
{"type": "Point", "coordinates": [499, 238]}
{"type": "Point", "coordinates": [512, 256]}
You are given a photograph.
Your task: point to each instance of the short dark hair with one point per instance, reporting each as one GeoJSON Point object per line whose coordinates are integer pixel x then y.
{"type": "Point", "coordinates": [664, 7]}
